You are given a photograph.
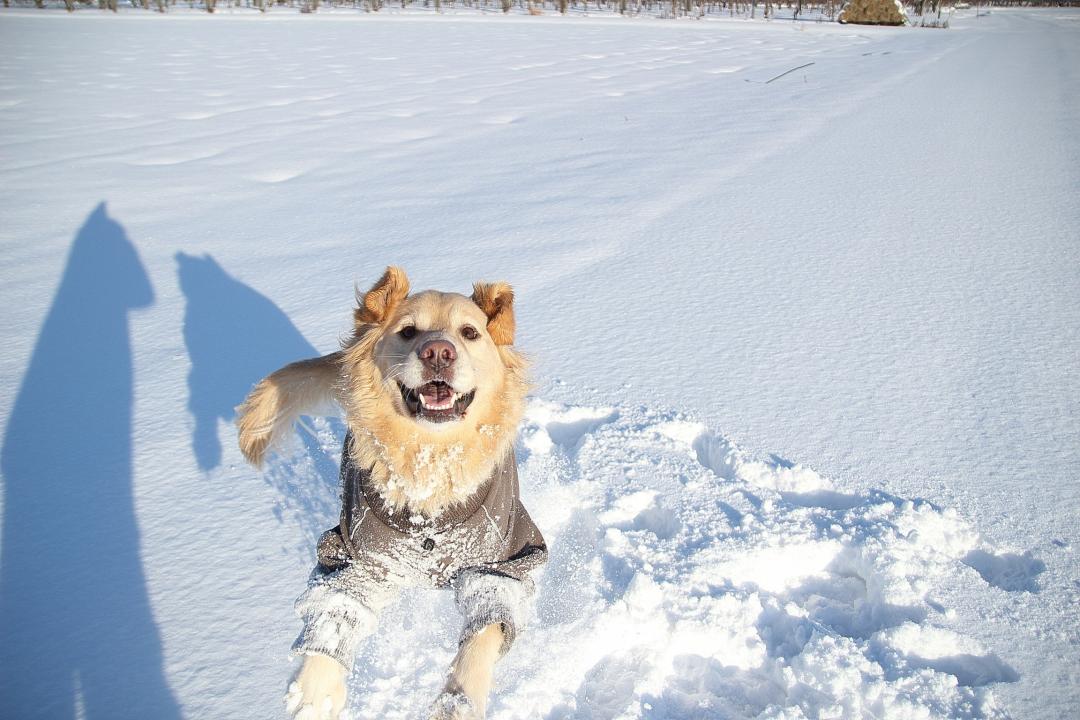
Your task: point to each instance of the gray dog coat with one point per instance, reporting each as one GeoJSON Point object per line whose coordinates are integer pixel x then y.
{"type": "Point", "coordinates": [484, 548]}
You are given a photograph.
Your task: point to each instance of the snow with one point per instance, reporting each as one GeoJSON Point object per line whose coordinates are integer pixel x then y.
{"type": "Point", "coordinates": [806, 422]}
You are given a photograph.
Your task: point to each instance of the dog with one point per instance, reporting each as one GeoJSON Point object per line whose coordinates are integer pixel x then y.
{"type": "Point", "coordinates": [432, 391]}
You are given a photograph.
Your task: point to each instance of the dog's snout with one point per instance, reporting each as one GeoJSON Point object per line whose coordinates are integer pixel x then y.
{"type": "Point", "coordinates": [437, 354]}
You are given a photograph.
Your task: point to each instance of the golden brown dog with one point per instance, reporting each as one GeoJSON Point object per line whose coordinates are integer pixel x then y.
{"type": "Point", "coordinates": [432, 391]}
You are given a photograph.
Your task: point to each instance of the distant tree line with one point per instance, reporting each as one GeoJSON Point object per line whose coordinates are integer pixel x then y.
{"type": "Point", "coordinates": [797, 9]}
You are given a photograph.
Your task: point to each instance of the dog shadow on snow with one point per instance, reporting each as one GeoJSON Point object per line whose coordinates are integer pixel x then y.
{"type": "Point", "coordinates": [78, 633]}
{"type": "Point", "coordinates": [235, 336]}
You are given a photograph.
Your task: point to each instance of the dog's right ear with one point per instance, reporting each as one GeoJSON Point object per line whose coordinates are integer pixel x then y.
{"type": "Point", "coordinates": [378, 303]}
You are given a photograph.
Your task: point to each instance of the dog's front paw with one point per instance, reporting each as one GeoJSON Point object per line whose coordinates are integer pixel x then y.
{"type": "Point", "coordinates": [454, 706]}
{"type": "Point", "coordinates": [318, 690]}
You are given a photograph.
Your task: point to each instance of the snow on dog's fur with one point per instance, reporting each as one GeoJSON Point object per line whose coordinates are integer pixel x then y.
{"type": "Point", "coordinates": [431, 433]}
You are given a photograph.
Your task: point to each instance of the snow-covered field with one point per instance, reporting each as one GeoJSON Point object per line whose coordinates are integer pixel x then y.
{"type": "Point", "coordinates": [806, 432]}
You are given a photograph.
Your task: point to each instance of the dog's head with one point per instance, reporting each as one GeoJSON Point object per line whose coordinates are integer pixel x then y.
{"type": "Point", "coordinates": [440, 351]}
{"type": "Point", "coordinates": [436, 354]}
{"type": "Point", "coordinates": [434, 372]}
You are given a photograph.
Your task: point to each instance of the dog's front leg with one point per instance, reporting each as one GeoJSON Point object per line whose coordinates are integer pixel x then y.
{"type": "Point", "coordinates": [318, 690]}
{"type": "Point", "coordinates": [466, 692]}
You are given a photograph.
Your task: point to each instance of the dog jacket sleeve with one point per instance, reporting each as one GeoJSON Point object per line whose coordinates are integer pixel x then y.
{"type": "Point", "coordinates": [340, 607]}
{"type": "Point", "coordinates": [499, 591]}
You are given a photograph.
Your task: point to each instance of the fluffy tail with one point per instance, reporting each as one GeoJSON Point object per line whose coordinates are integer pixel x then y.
{"type": "Point", "coordinates": [279, 400]}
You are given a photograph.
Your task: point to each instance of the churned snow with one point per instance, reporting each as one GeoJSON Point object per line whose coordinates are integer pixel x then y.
{"type": "Point", "coordinates": [806, 427]}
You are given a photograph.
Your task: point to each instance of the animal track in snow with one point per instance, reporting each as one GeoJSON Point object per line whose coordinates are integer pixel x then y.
{"type": "Point", "coordinates": [948, 652]}
{"type": "Point", "coordinates": [1010, 572]}
{"type": "Point", "coordinates": [547, 425]}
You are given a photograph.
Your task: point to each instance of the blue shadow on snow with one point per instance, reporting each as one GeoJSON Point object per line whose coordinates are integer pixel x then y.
{"type": "Point", "coordinates": [77, 633]}
{"type": "Point", "coordinates": [235, 336]}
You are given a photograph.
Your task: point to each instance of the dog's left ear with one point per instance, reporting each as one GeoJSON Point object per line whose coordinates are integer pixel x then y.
{"type": "Point", "coordinates": [497, 302]}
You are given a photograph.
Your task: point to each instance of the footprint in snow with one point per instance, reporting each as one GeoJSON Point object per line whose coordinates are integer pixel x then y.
{"type": "Point", "coordinates": [548, 425]}
{"type": "Point", "coordinates": [948, 652]}
{"type": "Point", "coordinates": [1010, 572]}
{"type": "Point", "coordinates": [642, 511]}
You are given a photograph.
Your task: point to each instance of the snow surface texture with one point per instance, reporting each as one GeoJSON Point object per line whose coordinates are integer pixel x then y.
{"type": "Point", "coordinates": [693, 580]}
{"type": "Point", "coordinates": [868, 266]}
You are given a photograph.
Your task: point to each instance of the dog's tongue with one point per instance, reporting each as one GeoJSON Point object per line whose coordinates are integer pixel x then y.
{"type": "Point", "coordinates": [436, 393]}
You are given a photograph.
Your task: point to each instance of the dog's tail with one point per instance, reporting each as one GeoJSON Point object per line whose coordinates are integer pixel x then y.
{"type": "Point", "coordinates": [278, 401]}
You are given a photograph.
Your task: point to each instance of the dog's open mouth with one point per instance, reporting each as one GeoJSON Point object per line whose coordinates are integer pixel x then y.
{"type": "Point", "coordinates": [436, 401]}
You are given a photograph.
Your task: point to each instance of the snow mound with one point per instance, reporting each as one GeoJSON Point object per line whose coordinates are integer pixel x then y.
{"type": "Point", "coordinates": [689, 579]}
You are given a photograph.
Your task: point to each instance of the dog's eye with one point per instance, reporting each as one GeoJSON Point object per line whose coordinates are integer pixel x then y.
{"type": "Point", "coordinates": [470, 333]}
{"type": "Point", "coordinates": [408, 332]}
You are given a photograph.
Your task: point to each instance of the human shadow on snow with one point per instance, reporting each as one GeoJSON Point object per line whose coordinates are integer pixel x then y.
{"type": "Point", "coordinates": [78, 633]}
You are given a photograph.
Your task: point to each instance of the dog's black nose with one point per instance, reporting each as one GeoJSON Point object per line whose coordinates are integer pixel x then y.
{"type": "Point", "coordinates": [437, 354]}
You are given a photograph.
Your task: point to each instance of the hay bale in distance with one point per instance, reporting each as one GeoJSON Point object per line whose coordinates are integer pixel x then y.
{"type": "Point", "coordinates": [873, 12]}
